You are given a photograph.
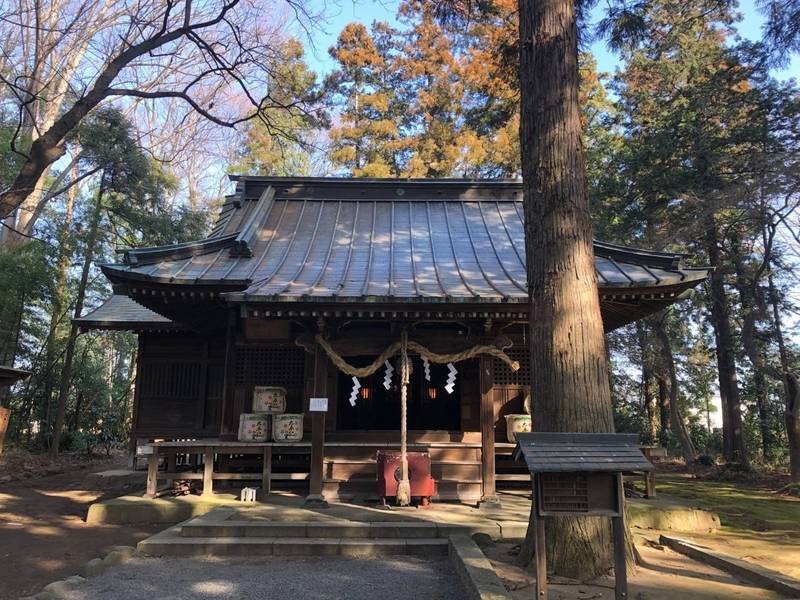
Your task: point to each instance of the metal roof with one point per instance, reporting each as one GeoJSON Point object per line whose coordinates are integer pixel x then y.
{"type": "Point", "coordinates": [571, 452]}
{"type": "Point", "coordinates": [9, 375]}
{"type": "Point", "coordinates": [121, 312]}
{"type": "Point", "coordinates": [378, 240]}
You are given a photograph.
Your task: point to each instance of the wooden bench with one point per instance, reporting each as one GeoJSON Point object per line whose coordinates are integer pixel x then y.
{"type": "Point", "coordinates": [209, 449]}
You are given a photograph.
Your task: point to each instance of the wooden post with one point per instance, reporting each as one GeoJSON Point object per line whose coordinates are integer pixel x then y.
{"type": "Point", "coordinates": [266, 471]}
{"type": "Point", "coordinates": [172, 466]}
{"type": "Point", "coordinates": [489, 492]}
{"type": "Point", "coordinates": [208, 471]}
{"type": "Point", "coordinates": [132, 441]}
{"type": "Point", "coordinates": [228, 427]}
{"type": "Point", "coordinates": [539, 544]}
{"type": "Point", "coordinates": [152, 472]}
{"type": "Point", "coordinates": [650, 484]}
{"type": "Point", "coordinates": [318, 388]}
{"type": "Point", "coordinates": [620, 566]}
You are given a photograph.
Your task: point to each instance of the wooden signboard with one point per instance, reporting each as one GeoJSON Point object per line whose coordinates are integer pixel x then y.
{"type": "Point", "coordinates": [580, 474]}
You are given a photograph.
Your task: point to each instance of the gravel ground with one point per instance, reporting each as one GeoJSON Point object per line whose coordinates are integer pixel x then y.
{"type": "Point", "coordinates": [276, 578]}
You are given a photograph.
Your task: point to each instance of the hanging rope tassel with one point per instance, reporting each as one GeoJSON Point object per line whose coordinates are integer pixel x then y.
{"type": "Point", "coordinates": [404, 485]}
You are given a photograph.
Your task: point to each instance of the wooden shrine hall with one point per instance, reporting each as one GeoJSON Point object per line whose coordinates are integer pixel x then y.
{"type": "Point", "coordinates": [353, 262]}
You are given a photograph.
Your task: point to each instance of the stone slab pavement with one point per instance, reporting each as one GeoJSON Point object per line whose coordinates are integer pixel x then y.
{"type": "Point", "coordinates": [275, 578]}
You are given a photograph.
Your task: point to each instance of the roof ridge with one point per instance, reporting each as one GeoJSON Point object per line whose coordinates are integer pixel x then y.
{"type": "Point", "coordinates": [148, 255]}
{"type": "Point", "coordinates": [242, 245]}
{"type": "Point", "coordinates": [650, 258]}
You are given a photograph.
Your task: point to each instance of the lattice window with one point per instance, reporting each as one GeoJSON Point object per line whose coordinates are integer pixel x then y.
{"type": "Point", "coordinates": [173, 380]}
{"type": "Point", "coordinates": [269, 365]}
{"type": "Point", "coordinates": [564, 492]}
{"type": "Point", "coordinates": [503, 375]}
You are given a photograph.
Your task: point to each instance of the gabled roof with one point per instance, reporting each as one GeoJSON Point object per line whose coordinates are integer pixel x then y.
{"type": "Point", "coordinates": [123, 313]}
{"type": "Point", "coordinates": [9, 375]}
{"type": "Point", "coordinates": [367, 240]}
{"type": "Point", "coordinates": [571, 452]}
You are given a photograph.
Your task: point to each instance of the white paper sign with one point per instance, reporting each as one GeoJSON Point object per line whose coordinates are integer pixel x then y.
{"type": "Point", "coordinates": [318, 405]}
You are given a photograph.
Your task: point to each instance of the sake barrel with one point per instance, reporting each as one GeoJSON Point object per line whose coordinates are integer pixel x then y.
{"type": "Point", "coordinates": [270, 400]}
{"type": "Point", "coordinates": [516, 424]}
{"type": "Point", "coordinates": [287, 427]}
{"type": "Point", "coordinates": [254, 427]}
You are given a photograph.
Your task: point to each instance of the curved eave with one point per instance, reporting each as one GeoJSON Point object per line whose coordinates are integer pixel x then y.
{"type": "Point", "coordinates": [123, 274]}
{"type": "Point", "coordinates": [9, 375]}
{"type": "Point", "coordinates": [235, 291]}
{"type": "Point", "coordinates": [689, 279]}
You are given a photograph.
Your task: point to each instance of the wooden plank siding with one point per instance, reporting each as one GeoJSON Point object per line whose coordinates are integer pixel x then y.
{"type": "Point", "coordinates": [179, 385]}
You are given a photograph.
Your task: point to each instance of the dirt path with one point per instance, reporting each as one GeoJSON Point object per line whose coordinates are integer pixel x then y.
{"type": "Point", "coordinates": [666, 576]}
{"type": "Point", "coordinates": [44, 536]}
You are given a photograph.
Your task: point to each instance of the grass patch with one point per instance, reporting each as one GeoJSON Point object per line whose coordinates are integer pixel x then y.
{"type": "Point", "coordinates": [738, 506]}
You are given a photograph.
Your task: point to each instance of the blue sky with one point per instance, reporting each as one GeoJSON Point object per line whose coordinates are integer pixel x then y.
{"type": "Point", "coordinates": [338, 13]}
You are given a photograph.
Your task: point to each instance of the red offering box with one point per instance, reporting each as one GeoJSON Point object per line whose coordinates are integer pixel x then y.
{"type": "Point", "coordinates": [419, 473]}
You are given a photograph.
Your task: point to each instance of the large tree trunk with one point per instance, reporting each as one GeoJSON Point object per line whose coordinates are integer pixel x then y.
{"type": "Point", "coordinates": [66, 370]}
{"type": "Point", "coordinates": [569, 376]}
{"type": "Point", "coordinates": [676, 420]}
{"type": "Point", "coordinates": [60, 295]}
{"type": "Point", "coordinates": [732, 434]}
{"type": "Point", "coordinates": [753, 310]}
{"type": "Point", "coordinates": [791, 386]}
{"type": "Point", "coordinates": [664, 403]}
{"type": "Point", "coordinates": [648, 386]}
{"type": "Point", "coordinates": [792, 418]}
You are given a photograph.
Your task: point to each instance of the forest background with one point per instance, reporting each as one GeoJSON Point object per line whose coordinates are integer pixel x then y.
{"type": "Point", "coordinates": [691, 130]}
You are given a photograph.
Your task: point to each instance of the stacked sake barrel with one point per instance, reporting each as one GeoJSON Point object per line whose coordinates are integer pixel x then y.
{"type": "Point", "coordinates": [269, 418]}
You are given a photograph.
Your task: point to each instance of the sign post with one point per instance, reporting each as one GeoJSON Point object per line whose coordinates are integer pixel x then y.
{"type": "Point", "coordinates": [580, 474]}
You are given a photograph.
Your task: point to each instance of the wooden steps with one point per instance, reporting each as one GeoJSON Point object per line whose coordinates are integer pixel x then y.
{"type": "Point", "coordinates": [204, 537]}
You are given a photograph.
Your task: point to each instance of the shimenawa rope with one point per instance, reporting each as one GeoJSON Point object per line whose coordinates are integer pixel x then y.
{"type": "Point", "coordinates": [404, 345]}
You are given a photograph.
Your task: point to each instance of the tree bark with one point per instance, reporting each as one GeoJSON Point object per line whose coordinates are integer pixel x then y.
{"type": "Point", "coordinates": [76, 416]}
{"type": "Point", "coordinates": [792, 418]}
{"type": "Point", "coordinates": [676, 420]}
{"type": "Point", "coordinates": [648, 384]}
{"type": "Point", "coordinates": [664, 403]}
{"type": "Point", "coordinates": [569, 375]}
{"type": "Point", "coordinates": [732, 435]}
{"type": "Point", "coordinates": [791, 386]}
{"type": "Point", "coordinates": [66, 370]}
{"type": "Point", "coordinates": [59, 304]}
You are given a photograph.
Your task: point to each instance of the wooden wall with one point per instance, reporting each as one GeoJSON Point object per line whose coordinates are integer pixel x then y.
{"type": "Point", "coordinates": [179, 385]}
{"type": "Point", "coordinates": [181, 380]}
{"type": "Point", "coordinates": [510, 387]}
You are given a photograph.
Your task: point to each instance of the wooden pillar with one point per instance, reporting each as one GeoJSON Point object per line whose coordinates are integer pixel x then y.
{"type": "Point", "coordinates": [539, 544]}
{"type": "Point", "coordinates": [132, 442]}
{"type": "Point", "coordinates": [318, 388]}
{"type": "Point", "coordinates": [152, 472]}
{"type": "Point", "coordinates": [620, 566]}
{"type": "Point", "coordinates": [172, 466]}
{"type": "Point", "coordinates": [229, 426]}
{"type": "Point", "coordinates": [266, 471]}
{"type": "Point", "coordinates": [489, 493]}
{"type": "Point", "coordinates": [650, 484]}
{"type": "Point", "coordinates": [208, 471]}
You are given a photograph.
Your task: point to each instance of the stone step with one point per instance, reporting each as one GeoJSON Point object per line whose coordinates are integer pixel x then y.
{"type": "Point", "coordinates": [171, 543]}
{"type": "Point", "coordinates": [200, 528]}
